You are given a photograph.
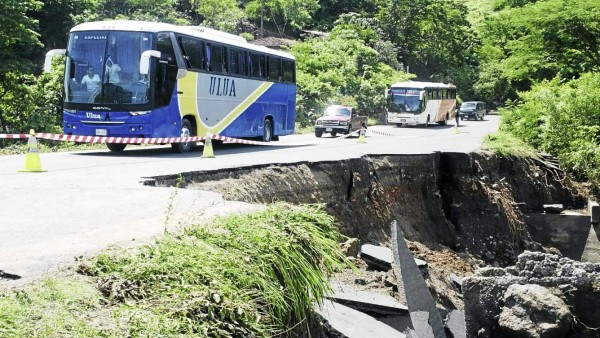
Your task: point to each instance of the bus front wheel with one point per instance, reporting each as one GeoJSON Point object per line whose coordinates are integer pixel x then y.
{"type": "Point", "coordinates": [267, 131]}
{"type": "Point", "coordinates": [116, 147]}
{"type": "Point", "coordinates": [186, 131]}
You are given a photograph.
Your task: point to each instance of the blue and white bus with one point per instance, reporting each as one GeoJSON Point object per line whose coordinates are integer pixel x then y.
{"type": "Point", "coordinates": [149, 80]}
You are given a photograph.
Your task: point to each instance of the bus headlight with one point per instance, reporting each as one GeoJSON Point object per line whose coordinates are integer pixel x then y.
{"type": "Point", "coordinates": [343, 123]}
{"type": "Point", "coordinates": [319, 123]}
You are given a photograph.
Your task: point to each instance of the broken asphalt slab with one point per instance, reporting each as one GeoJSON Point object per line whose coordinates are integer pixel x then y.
{"type": "Point", "coordinates": [349, 323]}
{"type": "Point", "coordinates": [367, 301]}
{"type": "Point", "coordinates": [380, 258]}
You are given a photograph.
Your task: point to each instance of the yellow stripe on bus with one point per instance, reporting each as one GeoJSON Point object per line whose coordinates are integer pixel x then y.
{"type": "Point", "coordinates": [237, 111]}
{"type": "Point", "coordinates": [187, 101]}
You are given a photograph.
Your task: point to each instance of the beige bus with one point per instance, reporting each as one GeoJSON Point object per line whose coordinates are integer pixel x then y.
{"type": "Point", "coordinates": [420, 103]}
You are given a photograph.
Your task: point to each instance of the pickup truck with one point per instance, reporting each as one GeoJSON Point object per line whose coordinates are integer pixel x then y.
{"type": "Point", "coordinates": [339, 119]}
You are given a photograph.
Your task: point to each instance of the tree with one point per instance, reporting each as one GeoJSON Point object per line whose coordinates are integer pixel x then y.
{"type": "Point", "coordinates": [283, 14]}
{"type": "Point", "coordinates": [176, 12]}
{"type": "Point", "coordinates": [433, 38]}
{"type": "Point", "coordinates": [18, 36]}
{"type": "Point", "coordinates": [225, 15]}
{"type": "Point", "coordinates": [343, 69]}
{"type": "Point", "coordinates": [540, 41]}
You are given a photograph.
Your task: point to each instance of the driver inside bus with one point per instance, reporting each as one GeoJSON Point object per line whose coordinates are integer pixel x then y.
{"type": "Point", "coordinates": [91, 80]}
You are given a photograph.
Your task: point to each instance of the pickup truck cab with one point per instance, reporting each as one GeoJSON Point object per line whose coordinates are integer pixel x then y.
{"type": "Point", "coordinates": [339, 119]}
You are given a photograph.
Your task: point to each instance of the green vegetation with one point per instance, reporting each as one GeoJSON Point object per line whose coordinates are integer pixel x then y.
{"type": "Point", "coordinates": [506, 144]}
{"type": "Point", "coordinates": [562, 119]}
{"type": "Point", "coordinates": [253, 275]}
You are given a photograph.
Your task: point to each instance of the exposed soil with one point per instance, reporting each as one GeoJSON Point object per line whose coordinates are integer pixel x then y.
{"type": "Point", "coordinates": [458, 211]}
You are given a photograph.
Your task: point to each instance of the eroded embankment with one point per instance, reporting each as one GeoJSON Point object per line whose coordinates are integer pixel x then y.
{"type": "Point", "coordinates": [467, 202]}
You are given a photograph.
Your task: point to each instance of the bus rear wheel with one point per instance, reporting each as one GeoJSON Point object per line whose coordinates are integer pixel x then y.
{"type": "Point", "coordinates": [186, 131]}
{"type": "Point", "coordinates": [116, 147]}
{"type": "Point", "coordinates": [444, 122]}
{"type": "Point", "coordinates": [267, 131]}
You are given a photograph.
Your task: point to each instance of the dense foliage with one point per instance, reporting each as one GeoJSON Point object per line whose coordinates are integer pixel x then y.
{"type": "Point", "coordinates": [344, 68]}
{"type": "Point", "coordinates": [562, 119]}
{"type": "Point", "coordinates": [527, 43]}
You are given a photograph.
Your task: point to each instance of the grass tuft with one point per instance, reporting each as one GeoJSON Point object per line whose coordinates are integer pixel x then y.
{"type": "Point", "coordinates": [506, 144]}
{"type": "Point", "coordinates": [255, 275]}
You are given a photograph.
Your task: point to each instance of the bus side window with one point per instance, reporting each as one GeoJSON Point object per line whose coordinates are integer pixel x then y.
{"type": "Point", "coordinates": [238, 62]}
{"type": "Point", "coordinates": [274, 66]}
{"type": "Point", "coordinates": [217, 58]}
{"type": "Point", "coordinates": [166, 70]}
{"type": "Point", "coordinates": [193, 52]}
{"type": "Point", "coordinates": [257, 62]}
{"type": "Point", "coordinates": [289, 71]}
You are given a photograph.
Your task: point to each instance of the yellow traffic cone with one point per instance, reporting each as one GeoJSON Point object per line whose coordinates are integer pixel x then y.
{"type": "Point", "coordinates": [32, 159]}
{"type": "Point", "coordinates": [208, 150]}
{"type": "Point", "coordinates": [361, 135]}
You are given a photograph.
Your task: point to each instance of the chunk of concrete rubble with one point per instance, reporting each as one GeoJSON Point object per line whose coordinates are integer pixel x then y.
{"type": "Point", "coordinates": [538, 284]}
{"type": "Point", "coordinates": [341, 321]}
{"type": "Point", "coordinates": [594, 211]}
{"type": "Point", "coordinates": [456, 280]}
{"type": "Point", "coordinates": [351, 247]}
{"type": "Point", "coordinates": [533, 311]}
{"type": "Point", "coordinates": [380, 258]}
{"type": "Point", "coordinates": [553, 208]}
{"type": "Point", "coordinates": [455, 324]}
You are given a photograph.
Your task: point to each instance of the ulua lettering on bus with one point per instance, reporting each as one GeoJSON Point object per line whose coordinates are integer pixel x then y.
{"type": "Point", "coordinates": [222, 86]}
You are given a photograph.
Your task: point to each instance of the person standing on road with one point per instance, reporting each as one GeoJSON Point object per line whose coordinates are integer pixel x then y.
{"type": "Point", "coordinates": [457, 116]}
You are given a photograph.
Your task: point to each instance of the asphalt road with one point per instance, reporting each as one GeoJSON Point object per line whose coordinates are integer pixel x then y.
{"type": "Point", "coordinates": [88, 201]}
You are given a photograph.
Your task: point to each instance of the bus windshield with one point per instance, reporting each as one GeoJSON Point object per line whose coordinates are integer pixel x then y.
{"type": "Point", "coordinates": [404, 100]}
{"type": "Point", "coordinates": [103, 67]}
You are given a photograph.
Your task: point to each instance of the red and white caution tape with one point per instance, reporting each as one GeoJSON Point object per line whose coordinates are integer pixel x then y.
{"type": "Point", "coordinates": [122, 140]}
{"type": "Point", "coordinates": [257, 143]}
{"type": "Point", "coordinates": [13, 136]}
{"type": "Point", "coordinates": [382, 133]}
{"type": "Point", "coordinates": [343, 137]}
{"type": "Point", "coordinates": [140, 140]}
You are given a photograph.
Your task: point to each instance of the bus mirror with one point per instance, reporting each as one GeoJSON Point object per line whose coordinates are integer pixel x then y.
{"type": "Point", "coordinates": [387, 93]}
{"type": "Point", "coordinates": [49, 56]}
{"type": "Point", "coordinates": [145, 60]}
{"type": "Point", "coordinates": [421, 95]}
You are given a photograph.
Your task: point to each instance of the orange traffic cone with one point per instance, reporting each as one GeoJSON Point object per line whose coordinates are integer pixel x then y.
{"type": "Point", "coordinates": [207, 152]}
{"type": "Point", "coordinates": [32, 159]}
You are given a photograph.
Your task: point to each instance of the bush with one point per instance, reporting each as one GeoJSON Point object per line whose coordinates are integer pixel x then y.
{"type": "Point", "coordinates": [562, 119]}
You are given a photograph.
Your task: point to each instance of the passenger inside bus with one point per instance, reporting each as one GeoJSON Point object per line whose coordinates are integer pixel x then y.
{"type": "Point", "coordinates": [112, 71]}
